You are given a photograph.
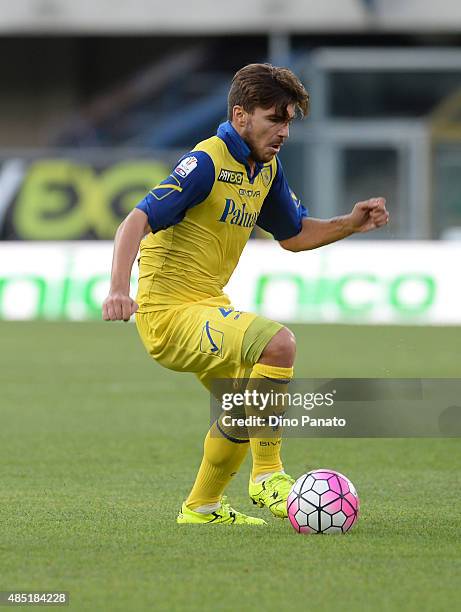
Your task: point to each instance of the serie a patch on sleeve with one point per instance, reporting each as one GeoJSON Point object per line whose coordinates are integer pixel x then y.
{"type": "Point", "coordinates": [186, 166]}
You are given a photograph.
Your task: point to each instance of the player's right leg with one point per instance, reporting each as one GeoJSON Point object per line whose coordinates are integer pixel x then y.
{"type": "Point", "coordinates": [266, 352]}
{"type": "Point", "coordinates": [222, 458]}
{"type": "Point", "coordinates": [200, 339]}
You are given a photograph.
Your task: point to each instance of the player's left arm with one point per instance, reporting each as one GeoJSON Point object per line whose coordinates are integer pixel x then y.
{"type": "Point", "coordinates": [364, 217]}
{"type": "Point", "coordinates": [283, 215]}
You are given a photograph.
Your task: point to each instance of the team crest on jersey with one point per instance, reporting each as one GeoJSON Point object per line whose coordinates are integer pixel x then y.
{"type": "Point", "coordinates": [186, 166]}
{"type": "Point", "coordinates": [266, 175]}
{"type": "Point", "coordinates": [229, 176]}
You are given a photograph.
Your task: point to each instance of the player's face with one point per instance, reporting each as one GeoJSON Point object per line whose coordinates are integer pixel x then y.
{"type": "Point", "coordinates": [265, 132]}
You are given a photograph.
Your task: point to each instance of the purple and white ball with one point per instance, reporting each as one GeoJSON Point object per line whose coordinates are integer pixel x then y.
{"type": "Point", "coordinates": [323, 501]}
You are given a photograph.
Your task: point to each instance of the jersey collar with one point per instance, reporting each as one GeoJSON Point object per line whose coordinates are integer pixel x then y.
{"type": "Point", "coordinates": [238, 148]}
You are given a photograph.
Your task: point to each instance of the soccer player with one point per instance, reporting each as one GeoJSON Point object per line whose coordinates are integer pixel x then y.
{"type": "Point", "coordinates": [191, 229]}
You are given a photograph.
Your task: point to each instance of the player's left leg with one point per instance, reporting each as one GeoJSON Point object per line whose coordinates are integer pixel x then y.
{"type": "Point", "coordinates": [269, 485]}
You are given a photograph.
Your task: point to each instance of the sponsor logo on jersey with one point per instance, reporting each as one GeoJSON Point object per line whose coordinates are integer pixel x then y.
{"type": "Point", "coordinates": [186, 166]}
{"type": "Point", "coordinates": [249, 193]}
{"type": "Point", "coordinates": [229, 176]}
{"type": "Point", "coordinates": [238, 215]}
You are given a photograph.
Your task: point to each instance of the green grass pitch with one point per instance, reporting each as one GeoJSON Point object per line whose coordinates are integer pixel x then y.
{"type": "Point", "coordinates": [99, 446]}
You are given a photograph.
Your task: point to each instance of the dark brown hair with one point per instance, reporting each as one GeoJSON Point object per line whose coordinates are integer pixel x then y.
{"type": "Point", "coordinates": [264, 86]}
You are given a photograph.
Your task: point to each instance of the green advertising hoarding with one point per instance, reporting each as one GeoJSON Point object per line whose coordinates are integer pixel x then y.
{"type": "Point", "coordinates": [410, 283]}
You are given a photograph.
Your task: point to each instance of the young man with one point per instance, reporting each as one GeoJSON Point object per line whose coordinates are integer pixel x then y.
{"type": "Point", "coordinates": [197, 222]}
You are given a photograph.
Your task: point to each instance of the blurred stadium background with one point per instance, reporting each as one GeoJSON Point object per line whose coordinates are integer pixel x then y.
{"type": "Point", "coordinates": [98, 99]}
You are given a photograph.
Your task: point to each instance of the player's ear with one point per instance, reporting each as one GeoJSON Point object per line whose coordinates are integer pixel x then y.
{"type": "Point", "coordinates": [239, 116]}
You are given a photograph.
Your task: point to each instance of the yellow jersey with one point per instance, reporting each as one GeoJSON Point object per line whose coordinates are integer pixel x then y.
{"type": "Point", "coordinates": [202, 216]}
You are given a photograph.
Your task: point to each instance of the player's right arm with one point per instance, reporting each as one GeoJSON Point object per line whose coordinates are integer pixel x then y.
{"type": "Point", "coordinates": [165, 205]}
{"type": "Point", "coordinates": [118, 305]}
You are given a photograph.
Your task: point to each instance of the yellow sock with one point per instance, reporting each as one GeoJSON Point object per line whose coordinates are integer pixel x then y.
{"type": "Point", "coordinates": [266, 450]}
{"type": "Point", "coordinates": [221, 461]}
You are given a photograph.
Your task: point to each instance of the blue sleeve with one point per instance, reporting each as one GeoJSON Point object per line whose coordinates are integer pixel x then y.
{"type": "Point", "coordinates": [188, 185]}
{"type": "Point", "coordinates": [281, 213]}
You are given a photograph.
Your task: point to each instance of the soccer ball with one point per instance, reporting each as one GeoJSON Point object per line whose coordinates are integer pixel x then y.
{"type": "Point", "coordinates": [323, 501]}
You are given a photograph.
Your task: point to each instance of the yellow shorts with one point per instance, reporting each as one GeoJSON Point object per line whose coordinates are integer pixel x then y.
{"type": "Point", "coordinates": [207, 338]}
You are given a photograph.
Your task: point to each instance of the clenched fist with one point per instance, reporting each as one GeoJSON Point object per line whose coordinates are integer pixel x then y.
{"type": "Point", "coordinates": [369, 215]}
{"type": "Point", "coordinates": [118, 307]}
